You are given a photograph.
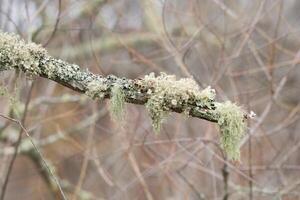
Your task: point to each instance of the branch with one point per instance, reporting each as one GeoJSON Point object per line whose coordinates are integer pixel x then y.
{"type": "Point", "coordinates": [36, 156]}
{"type": "Point", "coordinates": [34, 61]}
{"type": "Point", "coordinates": [160, 95]}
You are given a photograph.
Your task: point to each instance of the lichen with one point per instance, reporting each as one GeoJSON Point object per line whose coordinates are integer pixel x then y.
{"type": "Point", "coordinates": [32, 59]}
{"type": "Point", "coordinates": [50, 70]}
{"type": "Point", "coordinates": [157, 110]}
{"type": "Point", "coordinates": [16, 53]}
{"type": "Point", "coordinates": [58, 69]}
{"type": "Point", "coordinates": [117, 102]}
{"type": "Point", "coordinates": [232, 128]}
{"type": "Point", "coordinates": [15, 105]}
{"type": "Point", "coordinates": [167, 92]}
{"type": "Point", "coordinates": [208, 93]}
{"type": "Point", "coordinates": [96, 89]}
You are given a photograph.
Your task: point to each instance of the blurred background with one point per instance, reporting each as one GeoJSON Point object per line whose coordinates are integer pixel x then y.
{"type": "Point", "coordinates": [247, 50]}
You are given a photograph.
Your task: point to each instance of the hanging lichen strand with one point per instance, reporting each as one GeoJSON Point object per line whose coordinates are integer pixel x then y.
{"type": "Point", "coordinates": [117, 103]}
{"type": "Point", "coordinates": [232, 127]}
{"type": "Point", "coordinates": [161, 95]}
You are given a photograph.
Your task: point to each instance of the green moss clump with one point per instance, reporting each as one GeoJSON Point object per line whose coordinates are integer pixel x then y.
{"type": "Point", "coordinates": [232, 127]}
{"type": "Point", "coordinates": [117, 102]}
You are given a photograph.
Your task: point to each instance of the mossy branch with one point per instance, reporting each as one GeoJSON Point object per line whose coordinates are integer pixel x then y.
{"type": "Point", "coordinates": [161, 95]}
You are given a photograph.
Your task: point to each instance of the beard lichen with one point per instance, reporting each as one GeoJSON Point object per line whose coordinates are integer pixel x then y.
{"type": "Point", "coordinates": [157, 110]}
{"type": "Point", "coordinates": [232, 128]}
{"type": "Point", "coordinates": [15, 105]}
{"type": "Point", "coordinates": [166, 92]}
{"type": "Point", "coordinates": [117, 103]}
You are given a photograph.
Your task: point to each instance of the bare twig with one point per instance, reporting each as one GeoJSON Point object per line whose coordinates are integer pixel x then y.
{"type": "Point", "coordinates": [17, 145]}
{"type": "Point", "coordinates": [56, 24]}
{"type": "Point", "coordinates": [44, 163]}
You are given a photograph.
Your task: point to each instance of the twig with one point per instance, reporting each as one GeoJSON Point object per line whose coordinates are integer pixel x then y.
{"type": "Point", "coordinates": [56, 24]}
{"type": "Point", "coordinates": [44, 163]}
{"type": "Point", "coordinates": [17, 145]}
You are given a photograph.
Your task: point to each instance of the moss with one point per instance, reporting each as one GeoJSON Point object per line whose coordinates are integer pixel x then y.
{"type": "Point", "coordinates": [167, 92]}
{"type": "Point", "coordinates": [117, 102]}
{"type": "Point", "coordinates": [232, 127]}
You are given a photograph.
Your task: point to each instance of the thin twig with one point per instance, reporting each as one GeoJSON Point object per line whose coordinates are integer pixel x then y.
{"type": "Point", "coordinates": [17, 145]}
{"type": "Point", "coordinates": [56, 24]}
{"type": "Point", "coordinates": [39, 153]}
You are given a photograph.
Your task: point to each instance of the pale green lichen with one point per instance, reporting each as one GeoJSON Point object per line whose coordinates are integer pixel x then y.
{"type": "Point", "coordinates": [232, 127]}
{"type": "Point", "coordinates": [117, 103]}
{"type": "Point", "coordinates": [15, 105]}
{"type": "Point", "coordinates": [32, 59]}
{"type": "Point", "coordinates": [96, 89]}
{"type": "Point", "coordinates": [157, 110]}
{"type": "Point", "coordinates": [207, 93]}
{"type": "Point", "coordinates": [168, 92]}
{"type": "Point", "coordinates": [16, 53]}
{"type": "Point", "coordinates": [50, 70]}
